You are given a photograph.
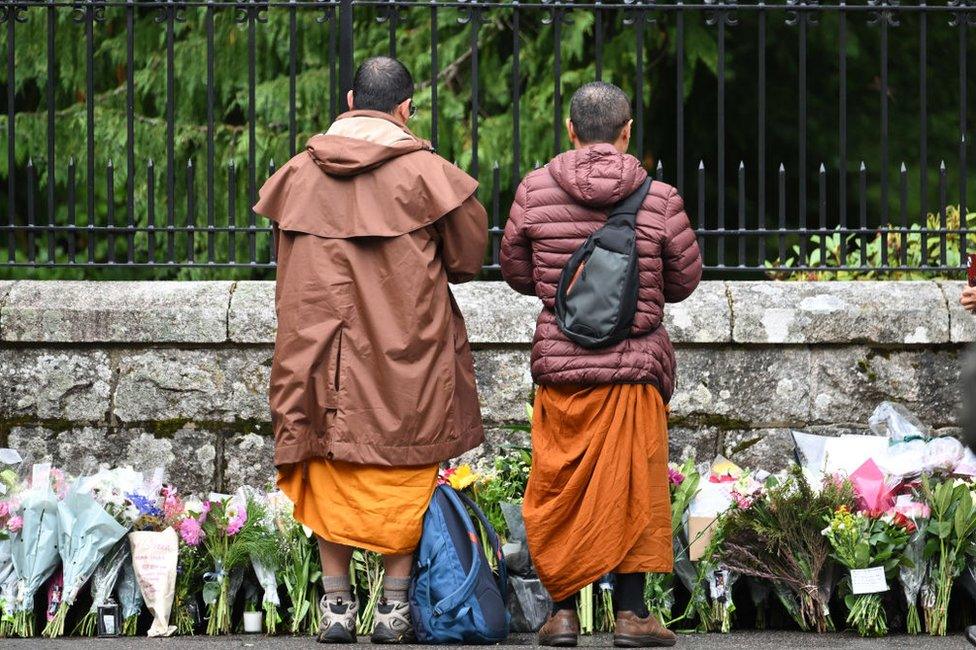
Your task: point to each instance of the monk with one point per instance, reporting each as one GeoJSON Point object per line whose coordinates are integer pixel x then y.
{"type": "Point", "coordinates": [597, 500]}
{"type": "Point", "coordinates": [372, 381]}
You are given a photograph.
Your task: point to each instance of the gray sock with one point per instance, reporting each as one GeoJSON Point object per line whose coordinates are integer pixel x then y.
{"type": "Point", "coordinates": [335, 587]}
{"type": "Point", "coordinates": [395, 589]}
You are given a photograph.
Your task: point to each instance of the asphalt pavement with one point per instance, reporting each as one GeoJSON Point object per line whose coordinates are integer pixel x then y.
{"type": "Point", "coordinates": [735, 641]}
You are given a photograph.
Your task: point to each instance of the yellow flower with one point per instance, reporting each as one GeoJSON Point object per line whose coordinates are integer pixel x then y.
{"type": "Point", "coordinates": [462, 477]}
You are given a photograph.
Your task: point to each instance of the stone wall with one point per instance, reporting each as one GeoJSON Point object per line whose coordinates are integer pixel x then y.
{"type": "Point", "coordinates": [175, 373]}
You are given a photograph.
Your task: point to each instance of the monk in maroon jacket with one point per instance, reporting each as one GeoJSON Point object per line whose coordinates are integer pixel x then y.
{"type": "Point", "coordinates": [597, 500]}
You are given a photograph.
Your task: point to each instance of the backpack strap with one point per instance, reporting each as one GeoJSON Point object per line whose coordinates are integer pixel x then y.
{"type": "Point", "coordinates": [496, 547]}
{"type": "Point", "coordinates": [625, 212]}
{"type": "Point", "coordinates": [456, 599]}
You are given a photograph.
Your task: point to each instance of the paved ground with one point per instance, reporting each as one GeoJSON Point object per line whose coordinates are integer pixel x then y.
{"type": "Point", "coordinates": [736, 641]}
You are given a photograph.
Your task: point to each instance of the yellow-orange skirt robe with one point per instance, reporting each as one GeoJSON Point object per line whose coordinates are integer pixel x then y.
{"type": "Point", "coordinates": [598, 500]}
{"type": "Point", "coordinates": [379, 509]}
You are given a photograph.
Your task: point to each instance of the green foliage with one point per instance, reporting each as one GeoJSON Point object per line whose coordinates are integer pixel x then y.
{"type": "Point", "coordinates": [915, 249]}
{"type": "Point", "coordinates": [506, 484]}
{"type": "Point", "coordinates": [779, 539]}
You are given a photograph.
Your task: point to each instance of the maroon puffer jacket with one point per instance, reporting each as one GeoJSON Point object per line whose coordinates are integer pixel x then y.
{"type": "Point", "coordinates": [556, 208]}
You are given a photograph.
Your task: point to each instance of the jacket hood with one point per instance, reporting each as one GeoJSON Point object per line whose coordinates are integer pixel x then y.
{"type": "Point", "coordinates": [360, 141]}
{"type": "Point", "coordinates": [379, 180]}
{"type": "Point", "coordinates": [597, 175]}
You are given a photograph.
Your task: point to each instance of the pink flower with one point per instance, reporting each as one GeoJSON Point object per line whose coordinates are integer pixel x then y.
{"type": "Point", "coordinates": [191, 532]}
{"type": "Point", "coordinates": [235, 524]}
{"type": "Point", "coordinates": [15, 523]}
{"type": "Point", "coordinates": [4, 508]}
{"type": "Point", "coordinates": [676, 477]}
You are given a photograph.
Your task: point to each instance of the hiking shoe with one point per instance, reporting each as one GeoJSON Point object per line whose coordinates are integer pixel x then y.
{"type": "Point", "coordinates": [561, 630]}
{"type": "Point", "coordinates": [393, 623]}
{"type": "Point", "coordinates": [633, 631]}
{"type": "Point", "coordinates": [338, 624]}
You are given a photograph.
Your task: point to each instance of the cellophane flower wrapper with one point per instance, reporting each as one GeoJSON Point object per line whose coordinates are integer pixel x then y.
{"type": "Point", "coordinates": [8, 587]}
{"type": "Point", "coordinates": [87, 533]}
{"type": "Point", "coordinates": [129, 596]}
{"type": "Point", "coordinates": [912, 573]}
{"type": "Point", "coordinates": [720, 581]}
{"type": "Point", "coordinates": [155, 558]}
{"type": "Point", "coordinates": [102, 584]}
{"type": "Point", "coordinates": [34, 547]}
{"type": "Point", "coordinates": [270, 601]}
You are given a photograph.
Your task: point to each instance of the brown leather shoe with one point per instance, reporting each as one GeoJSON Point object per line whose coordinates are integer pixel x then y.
{"type": "Point", "coordinates": [561, 630]}
{"type": "Point", "coordinates": [632, 631]}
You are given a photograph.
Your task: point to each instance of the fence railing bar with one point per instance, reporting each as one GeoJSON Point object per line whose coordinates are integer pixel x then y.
{"type": "Point", "coordinates": [474, 28]}
{"type": "Point", "coordinates": [516, 98]}
{"type": "Point", "coordinates": [862, 188]}
{"type": "Point", "coordinates": [191, 213]}
{"type": "Point", "coordinates": [90, 119]}
{"type": "Point", "coordinates": [51, 162]}
{"type": "Point", "coordinates": [130, 127]}
{"type": "Point", "coordinates": [701, 202]}
{"type": "Point", "coordinates": [239, 5]}
{"type": "Point", "coordinates": [110, 209]}
{"type": "Point", "coordinates": [336, 98]}
{"type": "Point", "coordinates": [781, 231]}
{"type": "Point", "coordinates": [942, 207]}
{"type": "Point", "coordinates": [598, 43]}
{"type": "Point", "coordinates": [885, 19]}
{"type": "Point", "coordinates": [151, 210]}
{"type": "Point", "coordinates": [434, 72]}
{"type": "Point", "coordinates": [11, 134]}
{"type": "Point", "coordinates": [211, 135]}
{"type": "Point", "coordinates": [842, 119]}
{"type": "Point", "coordinates": [822, 210]}
{"type": "Point", "coordinates": [801, 168]}
{"type": "Point", "coordinates": [232, 212]}
{"type": "Point", "coordinates": [761, 144]}
{"type": "Point", "coordinates": [292, 80]}
{"type": "Point", "coordinates": [679, 84]}
{"type": "Point", "coordinates": [30, 211]}
{"type": "Point", "coordinates": [638, 83]}
{"type": "Point", "coordinates": [720, 128]}
{"type": "Point", "coordinates": [72, 207]}
{"type": "Point", "coordinates": [923, 138]}
{"type": "Point", "coordinates": [742, 212]}
{"type": "Point", "coordinates": [252, 157]}
{"type": "Point", "coordinates": [557, 90]}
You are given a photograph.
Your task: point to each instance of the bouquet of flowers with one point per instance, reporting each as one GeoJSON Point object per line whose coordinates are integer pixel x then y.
{"type": "Point", "coordinates": [185, 517]}
{"type": "Point", "coordinates": [102, 584]}
{"type": "Point", "coordinates": [913, 516]}
{"type": "Point", "coordinates": [87, 533]}
{"type": "Point", "coordinates": [231, 534]}
{"type": "Point", "coordinates": [859, 542]}
{"type": "Point", "coordinates": [276, 505]}
{"type": "Point", "coordinates": [778, 538]}
{"type": "Point", "coordinates": [129, 596]}
{"type": "Point", "coordinates": [659, 590]}
{"type": "Point", "coordinates": [951, 533]}
{"type": "Point", "coordinates": [300, 573]}
{"type": "Point", "coordinates": [368, 569]}
{"type": "Point", "coordinates": [34, 544]}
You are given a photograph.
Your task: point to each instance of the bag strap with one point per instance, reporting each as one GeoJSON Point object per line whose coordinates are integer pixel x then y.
{"type": "Point", "coordinates": [625, 211]}
{"type": "Point", "coordinates": [496, 546]}
{"type": "Point", "coordinates": [462, 593]}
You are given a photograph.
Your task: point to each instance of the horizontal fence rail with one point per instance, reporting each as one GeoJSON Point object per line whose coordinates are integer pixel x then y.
{"type": "Point", "coordinates": [805, 138]}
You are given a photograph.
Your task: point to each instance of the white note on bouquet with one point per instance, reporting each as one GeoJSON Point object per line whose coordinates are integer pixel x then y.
{"type": "Point", "coordinates": [868, 581]}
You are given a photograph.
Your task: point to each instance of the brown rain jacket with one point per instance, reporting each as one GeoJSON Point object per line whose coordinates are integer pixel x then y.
{"type": "Point", "coordinates": [372, 363]}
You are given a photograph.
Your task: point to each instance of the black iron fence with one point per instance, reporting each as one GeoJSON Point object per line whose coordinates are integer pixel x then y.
{"type": "Point", "coordinates": [805, 137]}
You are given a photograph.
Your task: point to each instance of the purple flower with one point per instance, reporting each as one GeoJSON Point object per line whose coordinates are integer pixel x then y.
{"type": "Point", "coordinates": [147, 507]}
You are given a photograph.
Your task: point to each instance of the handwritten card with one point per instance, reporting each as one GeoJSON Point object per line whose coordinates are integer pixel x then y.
{"type": "Point", "coordinates": [868, 581]}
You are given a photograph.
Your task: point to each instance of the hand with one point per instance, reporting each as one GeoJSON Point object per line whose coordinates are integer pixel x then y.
{"type": "Point", "coordinates": [968, 299]}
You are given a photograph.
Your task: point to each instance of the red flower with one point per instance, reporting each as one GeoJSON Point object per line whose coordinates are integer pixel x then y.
{"type": "Point", "coordinates": [905, 522]}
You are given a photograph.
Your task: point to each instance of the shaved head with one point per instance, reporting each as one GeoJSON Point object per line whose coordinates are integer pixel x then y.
{"type": "Point", "coordinates": [381, 84]}
{"type": "Point", "coordinates": [599, 111]}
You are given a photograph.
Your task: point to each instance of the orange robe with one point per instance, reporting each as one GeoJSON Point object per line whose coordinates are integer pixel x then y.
{"type": "Point", "coordinates": [379, 509]}
{"type": "Point", "coordinates": [598, 500]}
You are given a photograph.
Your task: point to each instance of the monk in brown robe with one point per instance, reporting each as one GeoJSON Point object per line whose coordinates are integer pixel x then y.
{"type": "Point", "coordinates": [372, 382]}
{"type": "Point", "coordinates": [597, 501]}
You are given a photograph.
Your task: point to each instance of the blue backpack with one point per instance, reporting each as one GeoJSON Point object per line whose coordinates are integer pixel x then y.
{"type": "Point", "coordinates": [454, 596]}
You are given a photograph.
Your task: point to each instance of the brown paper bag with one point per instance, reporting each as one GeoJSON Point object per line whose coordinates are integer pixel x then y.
{"type": "Point", "coordinates": [154, 558]}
